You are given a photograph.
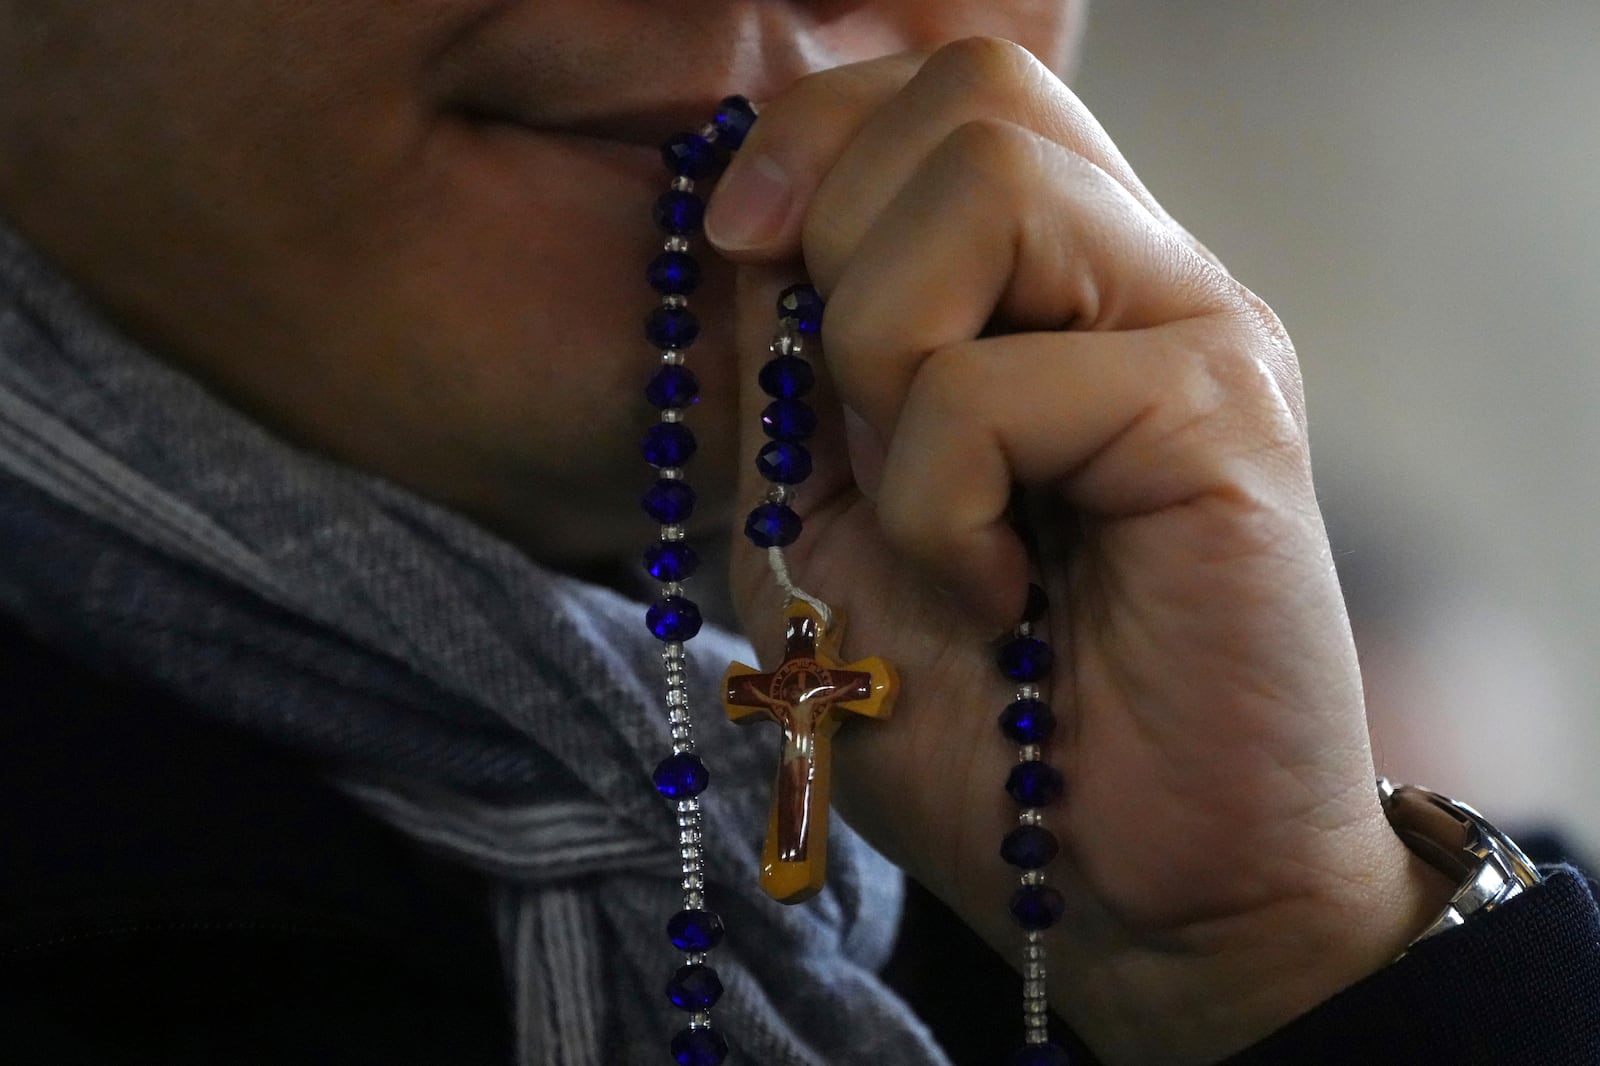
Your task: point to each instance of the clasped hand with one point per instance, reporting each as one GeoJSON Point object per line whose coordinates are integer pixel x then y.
{"type": "Point", "coordinates": [1008, 305]}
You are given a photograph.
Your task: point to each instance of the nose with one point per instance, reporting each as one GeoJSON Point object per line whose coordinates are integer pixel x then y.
{"type": "Point", "coordinates": [761, 46]}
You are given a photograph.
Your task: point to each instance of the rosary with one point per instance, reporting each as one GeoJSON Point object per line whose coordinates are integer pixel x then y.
{"type": "Point", "coordinates": [811, 690]}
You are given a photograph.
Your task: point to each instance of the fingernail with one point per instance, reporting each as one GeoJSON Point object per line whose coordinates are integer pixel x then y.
{"type": "Point", "coordinates": [750, 206]}
{"type": "Point", "coordinates": [866, 453]}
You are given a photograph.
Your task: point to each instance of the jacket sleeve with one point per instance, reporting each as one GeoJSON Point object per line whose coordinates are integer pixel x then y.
{"type": "Point", "coordinates": [1517, 986]}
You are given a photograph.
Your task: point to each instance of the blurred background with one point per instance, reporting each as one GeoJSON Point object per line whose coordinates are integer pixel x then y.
{"type": "Point", "coordinates": [1415, 187]}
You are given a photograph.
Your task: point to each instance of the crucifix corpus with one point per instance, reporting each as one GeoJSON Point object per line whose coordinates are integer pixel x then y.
{"type": "Point", "coordinates": [808, 695]}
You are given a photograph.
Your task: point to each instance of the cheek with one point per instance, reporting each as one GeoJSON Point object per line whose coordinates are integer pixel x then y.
{"type": "Point", "coordinates": [502, 294]}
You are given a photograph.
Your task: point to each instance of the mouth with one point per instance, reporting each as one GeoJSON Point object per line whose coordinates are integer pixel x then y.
{"type": "Point", "coordinates": [649, 126]}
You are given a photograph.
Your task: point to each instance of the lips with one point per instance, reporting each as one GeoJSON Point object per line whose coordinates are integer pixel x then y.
{"type": "Point", "coordinates": [648, 126]}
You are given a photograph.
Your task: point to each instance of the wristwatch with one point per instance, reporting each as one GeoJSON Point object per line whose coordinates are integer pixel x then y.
{"type": "Point", "coordinates": [1461, 844]}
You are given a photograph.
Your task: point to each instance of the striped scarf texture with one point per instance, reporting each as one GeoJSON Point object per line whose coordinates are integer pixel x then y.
{"type": "Point", "coordinates": [502, 715]}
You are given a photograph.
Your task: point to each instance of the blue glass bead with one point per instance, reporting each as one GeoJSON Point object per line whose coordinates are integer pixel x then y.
{"type": "Point", "coordinates": [1038, 604]}
{"type": "Point", "coordinates": [689, 155]}
{"type": "Point", "coordinates": [1037, 906]}
{"type": "Point", "coordinates": [1029, 847]}
{"type": "Point", "coordinates": [668, 444]}
{"type": "Point", "coordinates": [787, 377]}
{"type": "Point", "coordinates": [672, 386]}
{"type": "Point", "coordinates": [673, 274]}
{"type": "Point", "coordinates": [679, 213]}
{"type": "Point", "coordinates": [1040, 1055]}
{"type": "Point", "coordinates": [673, 618]}
{"type": "Point", "coordinates": [784, 463]}
{"type": "Point", "coordinates": [671, 561]}
{"type": "Point", "coordinates": [733, 120]}
{"type": "Point", "coordinates": [669, 502]}
{"type": "Point", "coordinates": [1027, 722]}
{"type": "Point", "coordinates": [699, 1047]}
{"type": "Point", "coordinates": [1025, 659]}
{"type": "Point", "coordinates": [695, 987]}
{"type": "Point", "coordinates": [696, 931]}
{"type": "Point", "coordinates": [671, 327]}
{"type": "Point", "coordinates": [1034, 784]}
{"type": "Point", "coordinates": [801, 305]}
{"type": "Point", "coordinates": [772, 525]}
{"type": "Point", "coordinates": [681, 776]}
{"type": "Point", "coordinates": [790, 420]}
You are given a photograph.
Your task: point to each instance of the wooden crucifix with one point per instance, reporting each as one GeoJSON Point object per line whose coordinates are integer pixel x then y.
{"type": "Point", "coordinates": [807, 695]}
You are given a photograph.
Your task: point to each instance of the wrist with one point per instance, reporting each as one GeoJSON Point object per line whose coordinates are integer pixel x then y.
{"type": "Point", "coordinates": [1216, 990]}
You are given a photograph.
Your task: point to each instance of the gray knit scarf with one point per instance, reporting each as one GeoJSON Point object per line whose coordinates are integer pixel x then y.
{"type": "Point", "coordinates": [502, 715]}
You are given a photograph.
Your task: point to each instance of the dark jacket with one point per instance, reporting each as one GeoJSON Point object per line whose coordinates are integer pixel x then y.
{"type": "Point", "coordinates": [174, 893]}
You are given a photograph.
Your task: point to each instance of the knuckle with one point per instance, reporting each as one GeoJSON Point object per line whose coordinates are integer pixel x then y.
{"type": "Point", "coordinates": [998, 156]}
{"type": "Point", "coordinates": [1247, 385]}
{"type": "Point", "coordinates": [980, 64]}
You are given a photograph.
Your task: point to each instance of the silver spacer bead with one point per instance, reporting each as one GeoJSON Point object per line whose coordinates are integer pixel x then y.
{"type": "Point", "coordinates": [672, 651]}
{"type": "Point", "coordinates": [789, 343]}
{"type": "Point", "coordinates": [1024, 629]}
{"type": "Point", "coordinates": [710, 132]}
{"type": "Point", "coordinates": [1033, 989]}
{"type": "Point", "coordinates": [689, 806]}
{"type": "Point", "coordinates": [694, 958]}
{"type": "Point", "coordinates": [1026, 753]}
{"type": "Point", "coordinates": [781, 494]}
{"type": "Point", "coordinates": [672, 534]}
{"type": "Point", "coordinates": [1034, 971]}
{"type": "Point", "coordinates": [1030, 816]}
{"type": "Point", "coordinates": [694, 901]}
{"type": "Point", "coordinates": [1035, 938]}
{"type": "Point", "coordinates": [700, 1020]}
{"type": "Point", "coordinates": [669, 473]}
{"type": "Point", "coordinates": [675, 302]}
{"type": "Point", "coordinates": [682, 184]}
{"type": "Point", "coordinates": [672, 588]}
{"type": "Point", "coordinates": [672, 414]}
{"type": "Point", "coordinates": [1028, 692]}
{"type": "Point", "coordinates": [1032, 877]}
{"type": "Point", "coordinates": [694, 882]}
{"type": "Point", "coordinates": [1033, 1006]}
{"type": "Point", "coordinates": [1037, 1034]}
{"type": "Point", "coordinates": [677, 243]}
{"type": "Point", "coordinates": [671, 357]}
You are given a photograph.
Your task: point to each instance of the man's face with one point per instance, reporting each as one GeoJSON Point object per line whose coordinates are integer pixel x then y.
{"type": "Point", "coordinates": [412, 233]}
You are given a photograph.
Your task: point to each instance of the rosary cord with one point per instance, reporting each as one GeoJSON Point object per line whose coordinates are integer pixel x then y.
{"type": "Point", "coordinates": [780, 574]}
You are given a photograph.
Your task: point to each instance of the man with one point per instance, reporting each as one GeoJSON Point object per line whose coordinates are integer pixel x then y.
{"type": "Point", "coordinates": [405, 237]}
